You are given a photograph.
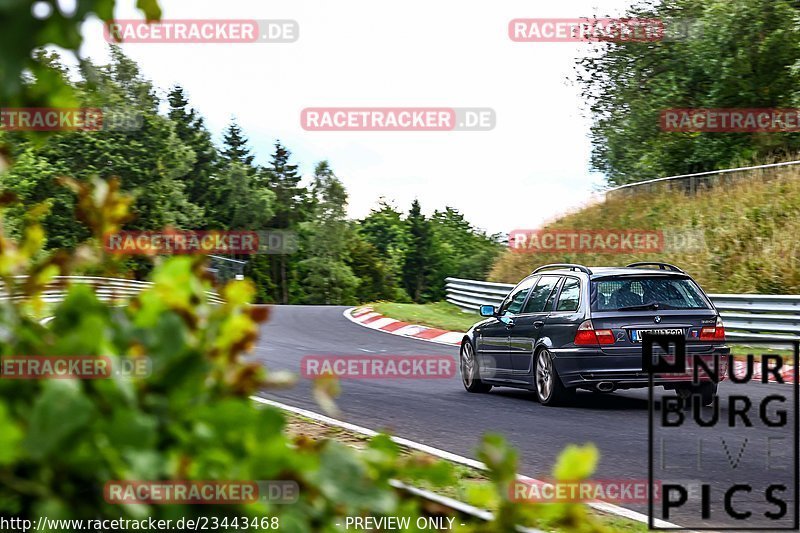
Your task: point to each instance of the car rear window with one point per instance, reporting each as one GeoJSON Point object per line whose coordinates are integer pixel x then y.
{"type": "Point", "coordinates": [632, 292]}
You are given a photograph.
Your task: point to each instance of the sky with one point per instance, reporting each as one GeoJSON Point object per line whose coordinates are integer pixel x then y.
{"type": "Point", "coordinates": [533, 166]}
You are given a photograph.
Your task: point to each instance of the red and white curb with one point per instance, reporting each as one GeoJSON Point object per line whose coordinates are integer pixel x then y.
{"type": "Point", "coordinates": [365, 316]}
{"type": "Point", "coordinates": [740, 369]}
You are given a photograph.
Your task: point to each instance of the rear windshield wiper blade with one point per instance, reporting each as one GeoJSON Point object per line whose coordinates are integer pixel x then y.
{"type": "Point", "coordinates": [650, 305]}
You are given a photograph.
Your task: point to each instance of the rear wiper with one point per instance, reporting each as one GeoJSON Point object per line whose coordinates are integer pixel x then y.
{"type": "Point", "coordinates": [651, 305]}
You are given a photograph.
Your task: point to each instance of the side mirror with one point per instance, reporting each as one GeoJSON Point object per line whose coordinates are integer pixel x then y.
{"type": "Point", "coordinates": [488, 310]}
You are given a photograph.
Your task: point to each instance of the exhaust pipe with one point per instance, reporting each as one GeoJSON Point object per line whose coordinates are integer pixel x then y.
{"type": "Point", "coordinates": [605, 386]}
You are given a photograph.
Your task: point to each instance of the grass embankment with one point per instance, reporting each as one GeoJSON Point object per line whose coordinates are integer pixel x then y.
{"type": "Point", "coordinates": [442, 315]}
{"type": "Point", "coordinates": [750, 232]}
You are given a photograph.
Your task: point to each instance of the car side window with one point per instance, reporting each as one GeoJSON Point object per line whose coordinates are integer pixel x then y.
{"type": "Point", "coordinates": [551, 301]}
{"type": "Point", "coordinates": [540, 294]}
{"type": "Point", "coordinates": [513, 303]}
{"type": "Point", "coordinates": [570, 295]}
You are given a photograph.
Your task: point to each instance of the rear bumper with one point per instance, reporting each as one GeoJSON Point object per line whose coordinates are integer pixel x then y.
{"type": "Point", "coordinates": [586, 367]}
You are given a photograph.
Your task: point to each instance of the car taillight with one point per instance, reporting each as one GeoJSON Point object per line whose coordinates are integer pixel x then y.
{"type": "Point", "coordinates": [587, 335]}
{"type": "Point", "coordinates": [717, 333]}
{"type": "Point", "coordinates": [605, 336]}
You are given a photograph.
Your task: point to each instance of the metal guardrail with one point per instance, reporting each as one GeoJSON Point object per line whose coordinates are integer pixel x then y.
{"type": "Point", "coordinates": [456, 506]}
{"type": "Point", "coordinates": [746, 316]}
{"type": "Point", "coordinates": [107, 289]}
{"type": "Point", "coordinates": [691, 183]}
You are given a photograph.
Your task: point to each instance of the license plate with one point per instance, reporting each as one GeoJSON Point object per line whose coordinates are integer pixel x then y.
{"type": "Point", "coordinates": [636, 334]}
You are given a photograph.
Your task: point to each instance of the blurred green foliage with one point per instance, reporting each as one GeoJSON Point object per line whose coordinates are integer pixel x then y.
{"type": "Point", "coordinates": [190, 418]}
{"type": "Point", "coordinates": [61, 440]}
{"type": "Point", "coordinates": [714, 54]}
{"type": "Point", "coordinates": [30, 25]}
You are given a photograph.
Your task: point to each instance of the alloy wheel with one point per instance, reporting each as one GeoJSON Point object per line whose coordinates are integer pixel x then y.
{"type": "Point", "coordinates": [467, 365]}
{"type": "Point", "coordinates": [544, 375]}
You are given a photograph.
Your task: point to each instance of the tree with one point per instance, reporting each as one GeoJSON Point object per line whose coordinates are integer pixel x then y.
{"type": "Point", "coordinates": [327, 282]}
{"type": "Point", "coordinates": [200, 181]}
{"type": "Point", "coordinates": [739, 54]}
{"type": "Point", "coordinates": [326, 277]}
{"type": "Point", "coordinates": [376, 280]}
{"type": "Point", "coordinates": [241, 200]}
{"type": "Point", "coordinates": [292, 206]}
{"type": "Point", "coordinates": [242, 205]}
{"type": "Point", "coordinates": [384, 229]}
{"type": "Point", "coordinates": [149, 160]}
{"type": "Point", "coordinates": [329, 227]}
{"type": "Point", "coordinates": [458, 249]}
{"type": "Point", "coordinates": [235, 146]}
{"type": "Point", "coordinates": [417, 267]}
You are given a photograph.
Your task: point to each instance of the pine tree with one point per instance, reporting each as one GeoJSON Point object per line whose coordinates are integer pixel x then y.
{"type": "Point", "coordinates": [416, 267]}
{"type": "Point", "coordinates": [292, 206]}
{"type": "Point", "coordinates": [200, 181]}
{"type": "Point", "coordinates": [235, 146]}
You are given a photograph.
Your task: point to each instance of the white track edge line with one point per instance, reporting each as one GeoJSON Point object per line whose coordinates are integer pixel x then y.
{"type": "Point", "coordinates": [449, 456]}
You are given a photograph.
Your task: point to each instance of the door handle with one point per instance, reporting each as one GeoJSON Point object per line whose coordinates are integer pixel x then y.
{"type": "Point", "coordinates": [538, 324]}
{"type": "Point", "coordinates": [510, 324]}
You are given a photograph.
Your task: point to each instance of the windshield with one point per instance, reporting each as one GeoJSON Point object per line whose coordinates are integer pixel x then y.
{"type": "Point", "coordinates": [657, 292]}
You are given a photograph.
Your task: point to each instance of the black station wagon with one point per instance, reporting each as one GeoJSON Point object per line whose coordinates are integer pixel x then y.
{"type": "Point", "coordinates": [568, 326]}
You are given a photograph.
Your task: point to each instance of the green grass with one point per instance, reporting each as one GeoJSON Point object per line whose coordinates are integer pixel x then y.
{"type": "Point", "coordinates": [740, 352]}
{"type": "Point", "coordinates": [744, 236]}
{"type": "Point", "coordinates": [442, 315]}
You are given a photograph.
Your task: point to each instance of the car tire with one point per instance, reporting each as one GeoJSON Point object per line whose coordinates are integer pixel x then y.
{"type": "Point", "coordinates": [706, 391]}
{"type": "Point", "coordinates": [547, 385]}
{"type": "Point", "coordinates": [470, 371]}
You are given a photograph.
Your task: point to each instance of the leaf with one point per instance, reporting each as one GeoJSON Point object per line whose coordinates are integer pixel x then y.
{"type": "Point", "coordinates": [132, 429]}
{"type": "Point", "coordinates": [576, 462]}
{"type": "Point", "coordinates": [499, 457]}
{"type": "Point", "coordinates": [150, 8]}
{"type": "Point", "coordinates": [58, 415]}
{"type": "Point", "coordinates": [342, 478]}
{"type": "Point", "coordinates": [10, 437]}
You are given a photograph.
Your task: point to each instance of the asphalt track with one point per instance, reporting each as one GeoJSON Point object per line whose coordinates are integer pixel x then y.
{"type": "Point", "coordinates": [440, 413]}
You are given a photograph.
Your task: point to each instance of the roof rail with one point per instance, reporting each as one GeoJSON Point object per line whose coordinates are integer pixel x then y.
{"type": "Point", "coordinates": [661, 266]}
{"type": "Point", "coordinates": [570, 266]}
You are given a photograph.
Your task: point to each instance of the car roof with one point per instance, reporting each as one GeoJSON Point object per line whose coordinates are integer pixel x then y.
{"type": "Point", "coordinates": [601, 272]}
{"type": "Point", "coordinates": [605, 271]}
